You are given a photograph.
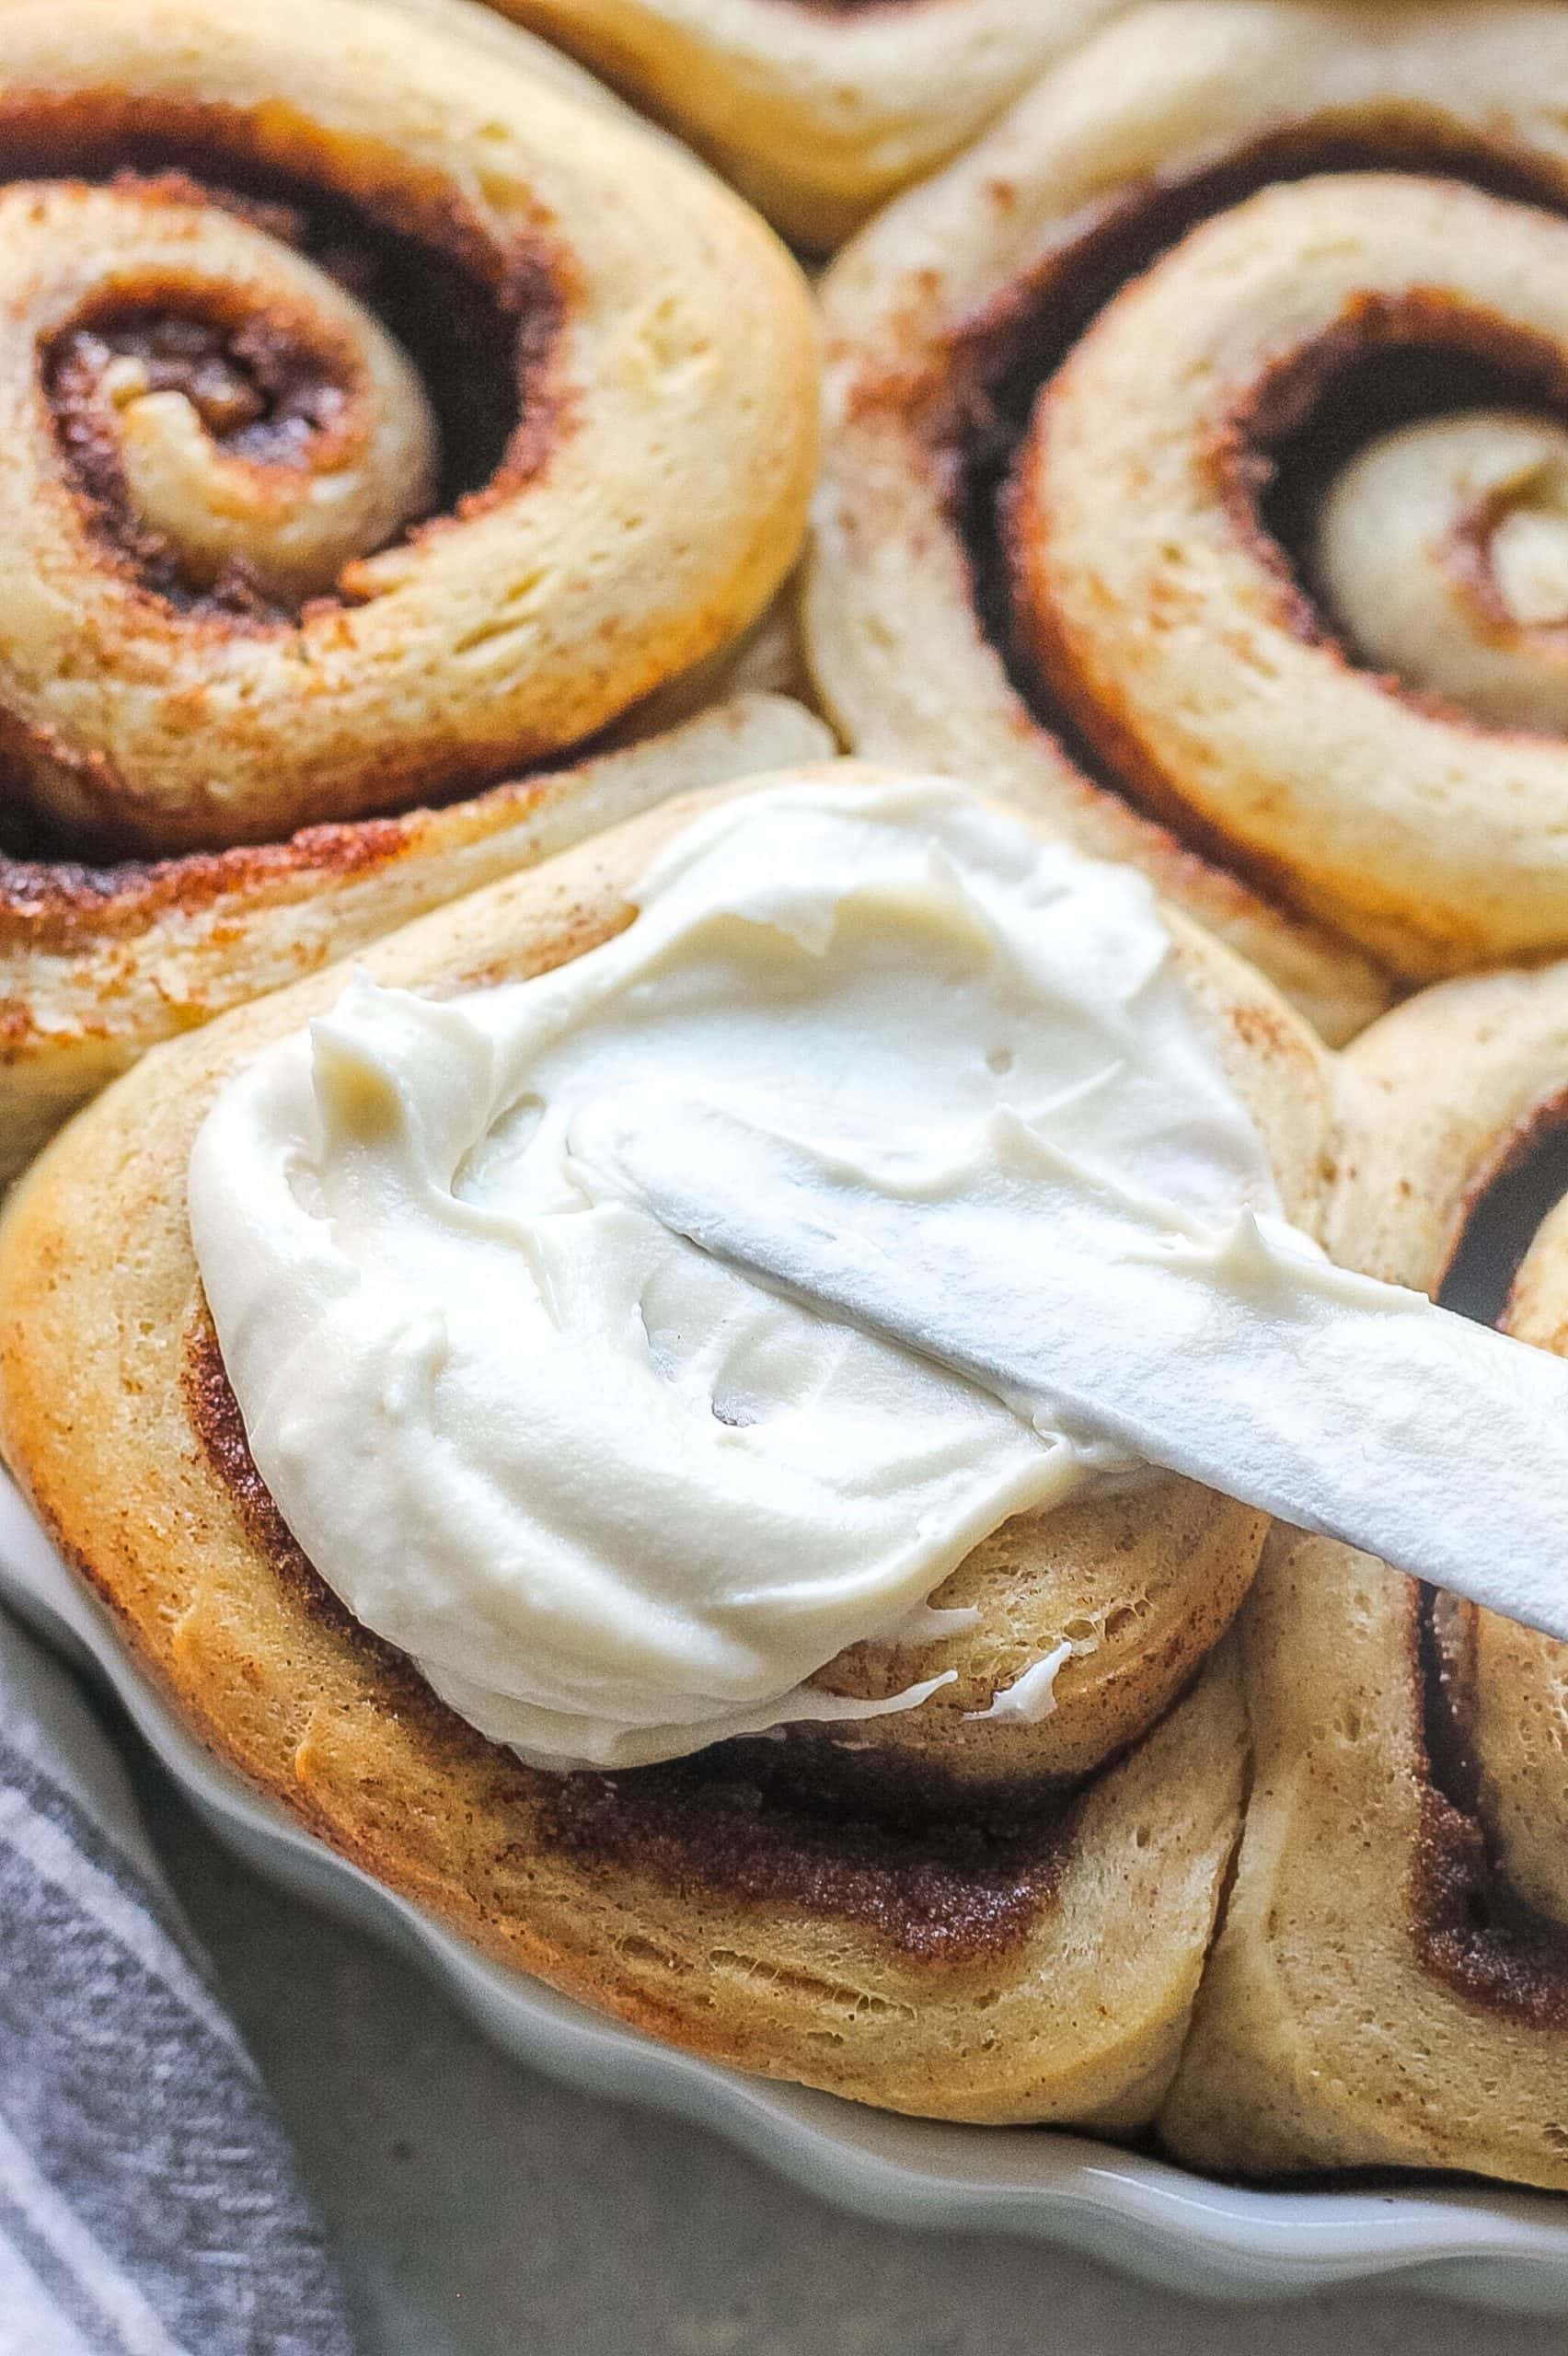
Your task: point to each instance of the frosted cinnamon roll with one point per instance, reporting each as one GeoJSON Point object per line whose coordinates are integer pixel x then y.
{"type": "Point", "coordinates": [1194, 475]}
{"type": "Point", "coordinates": [1390, 1986]}
{"type": "Point", "coordinates": [967, 1866]}
{"type": "Point", "coordinates": [819, 109]}
{"type": "Point", "coordinates": [356, 452]}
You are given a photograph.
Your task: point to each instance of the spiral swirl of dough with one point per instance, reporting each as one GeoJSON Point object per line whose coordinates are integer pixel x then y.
{"type": "Point", "coordinates": [265, 424]}
{"type": "Point", "coordinates": [1442, 551]}
{"type": "Point", "coordinates": [357, 443]}
{"type": "Point", "coordinates": [1390, 1987]}
{"type": "Point", "coordinates": [1196, 474]}
{"type": "Point", "coordinates": [1226, 701]}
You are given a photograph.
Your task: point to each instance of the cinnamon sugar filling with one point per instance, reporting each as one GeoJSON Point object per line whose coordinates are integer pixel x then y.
{"type": "Point", "coordinates": [937, 1879]}
{"type": "Point", "coordinates": [266, 390]}
{"type": "Point", "coordinates": [1291, 432]}
{"type": "Point", "coordinates": [1474, 1932]}
{"type": "Point", "coordinates": [481, 317]}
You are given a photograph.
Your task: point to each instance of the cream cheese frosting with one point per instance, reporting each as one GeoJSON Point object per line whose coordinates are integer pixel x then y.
{"type": "Point", "coordinates": [616, 1498]}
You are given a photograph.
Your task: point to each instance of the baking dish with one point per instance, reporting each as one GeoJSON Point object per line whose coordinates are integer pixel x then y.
{"type": "Point", "coordinates": [1494, 2248]}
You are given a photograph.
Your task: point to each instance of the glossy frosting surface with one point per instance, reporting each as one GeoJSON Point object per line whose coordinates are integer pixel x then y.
{"type": "Point", "coordinates": [616, 1498]}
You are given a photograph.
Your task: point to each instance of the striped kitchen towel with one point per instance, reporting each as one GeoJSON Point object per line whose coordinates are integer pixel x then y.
{"type": "Point", "coordinates": [148, 2203]}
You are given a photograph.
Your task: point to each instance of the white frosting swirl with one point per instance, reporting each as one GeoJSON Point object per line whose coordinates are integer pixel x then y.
{"type": "Point", "coordinates": [617, 1499]}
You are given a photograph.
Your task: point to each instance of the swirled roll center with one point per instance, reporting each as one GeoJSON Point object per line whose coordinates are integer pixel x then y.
{"type": "Point", "coordinates": [240, 421]}
{"type": "Point", "coordinates": [1169, 619]}
{"type": "Point", "coordinates": [1443, 552]}
{"type": "Point", "coordinates": [221, 628]}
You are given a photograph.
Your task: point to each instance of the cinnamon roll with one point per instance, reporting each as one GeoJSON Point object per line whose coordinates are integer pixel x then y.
{"type": "Point", "coordinates": [819, 109]}
{"type": "Point", "coordinates": [960, 1909]}
{"type": "Point", "coordinates": [1390, 1986]}
{"type": "Point", "coordinates": [1196, 477]}
{"type": "Point", "coordinates": [98, 965]}
{"type": "Point", "coordinates": [356, 452]}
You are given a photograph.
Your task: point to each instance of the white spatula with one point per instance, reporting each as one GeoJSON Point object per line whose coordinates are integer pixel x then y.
{"type": "Point", "coordinates": [1341, 1405]}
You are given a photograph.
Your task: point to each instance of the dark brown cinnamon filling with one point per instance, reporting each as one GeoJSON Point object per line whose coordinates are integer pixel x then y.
{"type": "Point", "coordinates": [254, 392]}
{"type": "Point", "coordinates": [1295, 432]}
{"type": "Point", "coordinates": [56, 904]}
{"type": "Point", "coordinates": [855, 7]}
{"type": "Point", "coordinates": [1509, 1200]}
{"type": "Point", "coordinates": [952, 1886]}
{"type": "Point", "coordinates": [262, 391]}
{"type": "Point", "coordinates": [479, 315]}
{"type": "Point", "coordinates": [949, 1891]}
{"type": "Point", "coordinates": [1475, 1932]}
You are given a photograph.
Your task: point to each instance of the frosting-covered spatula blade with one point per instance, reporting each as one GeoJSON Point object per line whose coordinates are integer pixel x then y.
{"type": "Point", "coordinates": [1237, 1356]}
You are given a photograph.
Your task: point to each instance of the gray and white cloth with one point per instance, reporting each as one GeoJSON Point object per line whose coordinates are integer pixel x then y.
{"type": "Point", "coordinates": [148, 2201]}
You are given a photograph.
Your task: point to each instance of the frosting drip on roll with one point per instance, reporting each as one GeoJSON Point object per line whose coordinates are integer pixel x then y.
{"type": "Point", "coordinates": [616, 1500]}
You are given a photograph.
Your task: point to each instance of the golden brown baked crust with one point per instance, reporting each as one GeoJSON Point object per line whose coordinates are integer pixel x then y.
{"type": "Point", "coordinates": [252, 260]}
{"type": "Point", "coordinates": [946, 1932]}
{"type": "Point", "coordinates": [215, 626]}
{"type": "Point", "coordinates": [819, 109]}
{"type": "Point", "coordinates": [1390, 1985]}
{"type": "Point", "coordinates": [98, 965]}
{"type": "Point", "coordinates": [1086, 390]}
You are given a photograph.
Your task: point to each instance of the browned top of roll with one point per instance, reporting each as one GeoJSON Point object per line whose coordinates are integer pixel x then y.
{"type": "Point", "coordinates": [1197, 473]}
{"type": "Point", "coordinates": [356, 443]}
